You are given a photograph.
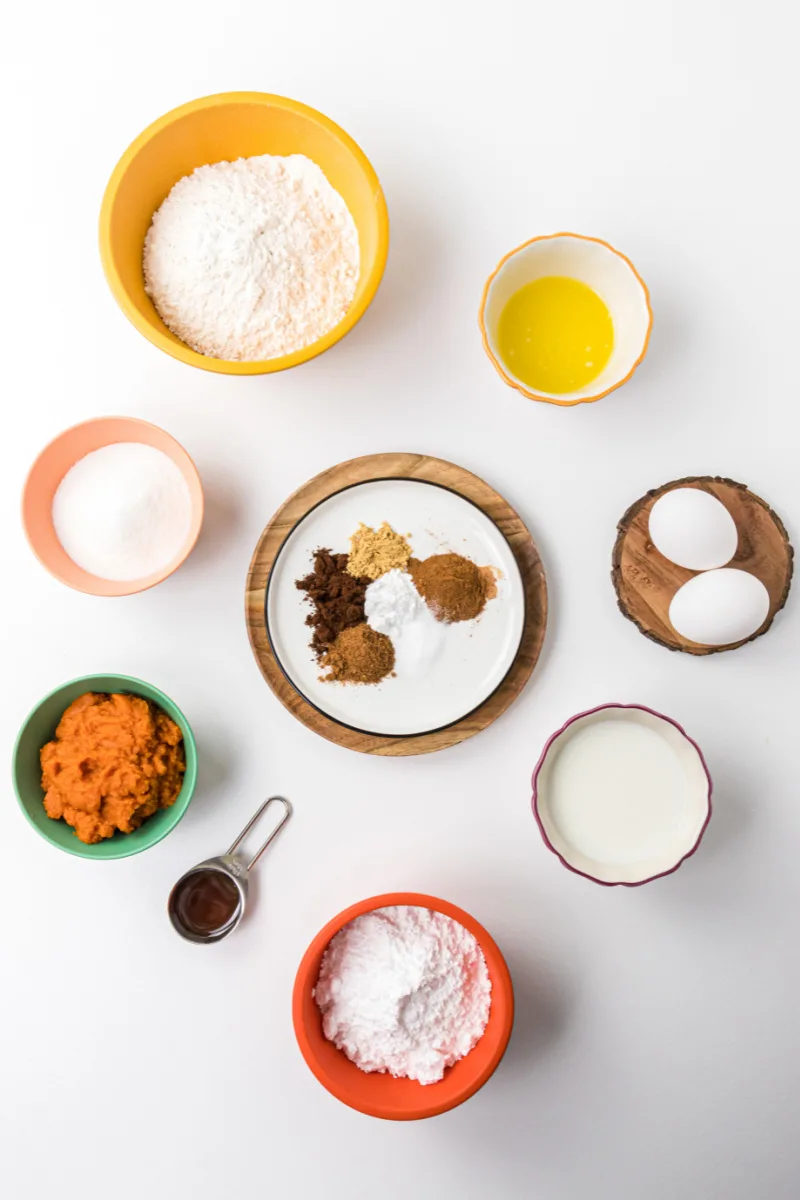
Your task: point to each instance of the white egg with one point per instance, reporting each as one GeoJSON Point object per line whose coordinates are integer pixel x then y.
{"type": "Point", "coordinates": [719, 607]}
{"type": "Point", "coordinates": [693, 529]}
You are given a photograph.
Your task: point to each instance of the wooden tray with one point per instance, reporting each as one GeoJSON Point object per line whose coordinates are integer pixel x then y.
{"type": "Point", "coordinates": [645, 581]}
{"type": "Point", "coordinates": [398, 466]}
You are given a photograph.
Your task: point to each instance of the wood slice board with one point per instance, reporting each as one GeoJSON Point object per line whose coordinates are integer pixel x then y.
{"type": "Point", "coordinates": [646, 581]}
{"type": "Point", "coordinates": [430, 470]}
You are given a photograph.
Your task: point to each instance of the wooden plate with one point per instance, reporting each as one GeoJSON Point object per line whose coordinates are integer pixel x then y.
{"type": "Point", "coordinates": [398, 466]}
{"type": "Point", "coordinates": [646, 582]}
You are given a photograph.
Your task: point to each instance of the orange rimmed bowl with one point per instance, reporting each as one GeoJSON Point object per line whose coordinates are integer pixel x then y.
{"type": "Point", "coordinates": [228, 126]}
{"type": "Point", "coordinates": [381, 1095]}
{"type": "Point", "coordinates": [50, 468]}
{"type": "Point", "coordinates": [607, 272]}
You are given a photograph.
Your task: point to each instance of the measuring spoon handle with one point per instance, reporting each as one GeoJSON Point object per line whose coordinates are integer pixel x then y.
{"type": "Point", "coordinates": [287, 813]}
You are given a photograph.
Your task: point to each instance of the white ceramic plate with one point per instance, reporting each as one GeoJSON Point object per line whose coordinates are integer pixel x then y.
{"type": "Point", "coordinates": [476, 655]}
{"type": "Point", "coordinates": [622, 794]}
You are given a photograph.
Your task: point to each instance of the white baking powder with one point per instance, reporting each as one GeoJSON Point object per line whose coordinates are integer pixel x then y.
{"type": "Point", "coordinates": [252, 259]}
{"type": "Point", "coordinates": [392, 605]}
{"type": "Point", "coordinates": [123, 512]}
{"type": "Point", "coordinates": [404, 990]}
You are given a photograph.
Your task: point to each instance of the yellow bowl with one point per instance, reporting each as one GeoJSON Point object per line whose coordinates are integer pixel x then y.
{"type": "Point", "coordinates": [226, 127]}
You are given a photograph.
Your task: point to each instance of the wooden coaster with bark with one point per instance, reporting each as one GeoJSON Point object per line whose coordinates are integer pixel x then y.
{"type": "Point", "coordinates": [398, 466]}
{"type": "Point", "coordinates": [645, 581]}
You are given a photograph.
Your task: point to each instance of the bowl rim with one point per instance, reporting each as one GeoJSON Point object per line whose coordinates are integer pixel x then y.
{"type": "Point", "coordinates": [535, 797]}
{"type": "Point", "coordinates": [530, 393]}
{"type": "Point", "coordinates": [501, 983]}
{"type": "Point", "coordinates": [130, 587]}
{"type": "Point", "coordinates": [176, 811]}
{"type": "Point", "coordinates": [179, 350]}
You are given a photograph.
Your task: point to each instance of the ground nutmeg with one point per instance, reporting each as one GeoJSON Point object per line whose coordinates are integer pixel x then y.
{"type": "Point", "coordinates": [359, 655]}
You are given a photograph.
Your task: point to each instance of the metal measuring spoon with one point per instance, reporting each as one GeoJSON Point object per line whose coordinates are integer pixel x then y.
{"type": "Point", "coordinates": [207, 903]}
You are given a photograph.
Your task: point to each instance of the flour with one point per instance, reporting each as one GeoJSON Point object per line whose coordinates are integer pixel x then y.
{"type": "Point", "coordinates": [123, 512]}
{"type": "Point", "coordinates": [392, 605]}
{"type": "Point", "coordinates": [252, 259]}
{"type": "Point", "coordinates": [404, 990]}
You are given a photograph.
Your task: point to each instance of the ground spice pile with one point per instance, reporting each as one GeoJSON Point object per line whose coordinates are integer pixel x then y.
{"type": "Point", "coordinates": [454, 588]}
{"type": "Point", "coordinates": [337, 596]}
{"type": "Point", "coordinates": [373, 552]}
{"type": "Point", "coordinates": [359, 655]}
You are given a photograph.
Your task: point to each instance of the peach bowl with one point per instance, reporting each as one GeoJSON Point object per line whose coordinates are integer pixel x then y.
{"type": "Point", "coordinates": [50, 468]}
{"type": "Point", "coordinates": [607, 272]}
{"type": "Point", "coordinates": [381, 1095]}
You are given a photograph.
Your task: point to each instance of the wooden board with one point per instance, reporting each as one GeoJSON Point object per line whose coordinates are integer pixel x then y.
{"type": "Point", "coordinates": [398, 466]}
{"type": "Point", "coordinates": [645, 581]}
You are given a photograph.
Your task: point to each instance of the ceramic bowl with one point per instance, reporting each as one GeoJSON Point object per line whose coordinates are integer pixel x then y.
{"type": "Point", "coordinates": [607, 272]}
{"type": "Point", "coordinates": [39, 727]}
{"type": "Point", "coordinates": [50, 468]}
{"type": "Point", "coordinates": [622, 794]}
{"type": "Point", "coordinates": [381, 1095]}
{"type": "Point", "coordinates": [226, 127]}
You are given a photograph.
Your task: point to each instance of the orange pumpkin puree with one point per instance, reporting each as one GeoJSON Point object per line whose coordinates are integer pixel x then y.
{"type": "Point", "coordinates": [115, 760]}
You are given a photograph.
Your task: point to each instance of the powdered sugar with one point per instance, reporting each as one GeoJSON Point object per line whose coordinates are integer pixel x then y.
{"type": "Point", "coordinates": [252, 259]}
{"type": "Point", "coordinates": [404, 990]}
{"type": "Point", "coordinates": [392, 605]}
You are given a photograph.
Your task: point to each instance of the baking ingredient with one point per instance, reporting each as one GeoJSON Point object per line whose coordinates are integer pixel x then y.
{"type": "Point", "coordinates": [453, 586]}
{"type": "Point", "coordinates": [719, 607]}
{"type": "Point", "coordinates": [207, 901]}
{"type": "Point", "coordinates": [555, 334]}
{"type": "Point", "coordinates": [123, 512]}
{"type": "Point", "coordinates": [115, 760]}
{"type": "Point", "coordinates": [623, 792]}
{"type": "Point", "coordinates": [692, 528]}
{"type": "Point", "coordinates": [392, 605]}
{"type": "Point", "coordinates": [252, 259]}
{"type": "Point", "coordinates": [337, 596]}
{"type": "Point", "coordinates": [359, 655]}
{"type": "Point", "coordinates": [404, 990]}
{"type": "Point", "coordinates": [375, 551]}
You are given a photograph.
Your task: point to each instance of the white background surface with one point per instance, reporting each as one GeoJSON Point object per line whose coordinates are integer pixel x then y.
{"type": "Point", "coordinates": [656, 1050]}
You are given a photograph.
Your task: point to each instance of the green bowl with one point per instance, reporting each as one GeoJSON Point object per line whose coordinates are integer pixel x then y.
{"type": "Point", "coordinates": [40, 727]}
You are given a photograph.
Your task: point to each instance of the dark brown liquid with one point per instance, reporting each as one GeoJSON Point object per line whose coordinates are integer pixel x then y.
{"type": "Point", "coordinates": [206, 902]}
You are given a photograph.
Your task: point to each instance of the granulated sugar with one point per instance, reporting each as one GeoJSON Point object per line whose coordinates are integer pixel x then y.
{"type": "Point", "coordinates": [123, 512]}
{"type": "Point", "coordinates": [252, 259]}
{"type": "Point", "coordinates": [404, 990]}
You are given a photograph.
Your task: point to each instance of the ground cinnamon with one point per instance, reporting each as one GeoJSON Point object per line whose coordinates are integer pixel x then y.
{"type": "Point", "coordinates": [359, 655]}
{"type": "Point", "coordinates": [337, 596]}
{"type": "Point", "coordinates": [453, 587]}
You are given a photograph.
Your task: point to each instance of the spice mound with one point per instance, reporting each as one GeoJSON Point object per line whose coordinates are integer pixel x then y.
{"type": "Point", "coordinates": [337, 596]}
{"type": "Point", "coordinates": [453, 586]}
{"type": "Point", "coordinates": [373, 552]}
{"type": "Point", "coordinates": [115, 760]}
{"type": "Point", "coordinates": [252, 259]}
{"type": "Point", "coordinates": [404, 990]}
{"type": "Point", "coordinates": [359, 655]}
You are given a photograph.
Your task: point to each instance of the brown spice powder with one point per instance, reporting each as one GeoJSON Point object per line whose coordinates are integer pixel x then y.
{"type": "Point", "coordinates": [373, 552]}
{"type": "Point", "coordinates": [453, 587]}
{"type": "Point", "coordinates": [337, 596]}
{"type": "Point", "coordinates": [359, 655]}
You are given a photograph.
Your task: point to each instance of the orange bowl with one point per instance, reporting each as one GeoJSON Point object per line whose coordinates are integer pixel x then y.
{"type": "Point", "coordinates": [381, 1095]}
{"type": "Point", "coordinates": [50, 468]}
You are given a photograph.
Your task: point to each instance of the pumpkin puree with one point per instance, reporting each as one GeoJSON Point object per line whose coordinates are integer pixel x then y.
{"type": "Point", "coordinates": [115, 760]}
